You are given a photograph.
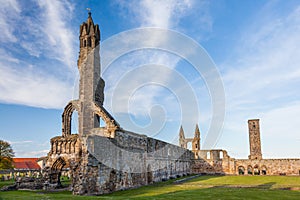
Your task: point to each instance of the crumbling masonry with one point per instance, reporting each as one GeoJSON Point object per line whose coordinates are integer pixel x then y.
{"type": "Point", "coordinates": [218, 161]}
{"type": "Point", "coordinates": [106, 159]}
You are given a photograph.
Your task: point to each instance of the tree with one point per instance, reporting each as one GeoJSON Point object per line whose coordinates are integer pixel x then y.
{"type": "Point", "coordinates": [6, 155]}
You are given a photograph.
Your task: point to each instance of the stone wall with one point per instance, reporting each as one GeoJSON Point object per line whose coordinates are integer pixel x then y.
{"type": "Point", "coordinates": [65, 152]}
{"type": "Point", "coordinates": [127, 160]}
{"type": "Point", "coordinates": [214, 161]}
{"type": "Point", "coordinates": [218, 162]}
{"type": "Point", "coordinates": [268, 166]}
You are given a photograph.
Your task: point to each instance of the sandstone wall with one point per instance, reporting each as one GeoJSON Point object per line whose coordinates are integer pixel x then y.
{"type": "Point", "coordinates": [269, 166]}
{"type": "Point", "coordinates": [213, 162]}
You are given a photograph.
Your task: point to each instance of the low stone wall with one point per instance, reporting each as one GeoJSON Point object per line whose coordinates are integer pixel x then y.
{"type": "Point", "coordinates": [128, 160]}
{"type": "Point", "coordinates": [268, 166]}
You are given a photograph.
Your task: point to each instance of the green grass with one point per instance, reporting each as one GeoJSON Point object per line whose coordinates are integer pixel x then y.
{"type": "Point", "coordinates": [204, 187]}
{"type": "Point", "coordinates": [4, 183]}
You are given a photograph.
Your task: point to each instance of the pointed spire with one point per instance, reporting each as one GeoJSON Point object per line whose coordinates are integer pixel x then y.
{"type": "Point", "coordinates": [89, 38]}
{"type": "Point", "coordinates": [197, 131]}
{"type": "Point", "coordinates": [181, 133]}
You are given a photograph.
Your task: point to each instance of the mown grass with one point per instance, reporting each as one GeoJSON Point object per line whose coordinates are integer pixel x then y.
{"type": "Point", "coordinates": [4, 183]}
{"type": "Point", "coordinates": [204, 187]}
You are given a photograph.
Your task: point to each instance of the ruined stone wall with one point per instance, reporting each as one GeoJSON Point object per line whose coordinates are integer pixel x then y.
{"type": "Point", "coordinates": [65, 153]}
{"type": "Point", "coordinates": [128, 160]}
{"type": "Point", "coordinates": [270, 166]}
{"type": "Point", "coordinates": [213, 162]}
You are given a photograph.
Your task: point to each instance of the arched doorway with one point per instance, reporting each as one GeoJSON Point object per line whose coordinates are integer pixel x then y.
{"type": "Point", "coordinates": [264, 170]}
{"type": "Point", "coordinates": [241, 170]}
{"type": "Point", "coordinates": [56, 169]}
{"type": "Point", "coordinates": [67, 118]}
{"type": "Point", "coordinates": [250, 170]}
{"type": "Point", "coordinates": [208, 155]}
{"type": "Point", "coordinates": [256, 170]}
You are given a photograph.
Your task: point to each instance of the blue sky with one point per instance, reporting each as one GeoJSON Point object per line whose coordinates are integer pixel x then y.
{"type": "Point", "coordinates": [255, 46]}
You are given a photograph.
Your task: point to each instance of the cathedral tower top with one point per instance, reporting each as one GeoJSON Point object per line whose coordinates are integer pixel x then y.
{"type": "Point", "coordinates": [89, 38]}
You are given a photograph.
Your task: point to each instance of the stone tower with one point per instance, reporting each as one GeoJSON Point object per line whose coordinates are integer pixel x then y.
{"type": "Point", "coordinates": [71, 150]}
{"type": "Point", "coordinates": [91, 85]}
{"type": "Point", "coordinates": [254, 139]}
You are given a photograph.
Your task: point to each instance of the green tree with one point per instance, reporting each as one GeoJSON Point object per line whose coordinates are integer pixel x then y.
{"type": "Point", "coordinates": [6, 155]}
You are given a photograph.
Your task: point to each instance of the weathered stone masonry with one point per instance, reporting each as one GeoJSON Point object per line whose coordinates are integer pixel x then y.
{"type": "Point", "coordinates": [218, 161]}
{"type": "Point", "coordinates": [106, 159]}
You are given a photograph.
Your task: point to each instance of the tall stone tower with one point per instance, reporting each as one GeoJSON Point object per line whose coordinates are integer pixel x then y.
{"type": "Point", "coordinates": [254, 139]}
{"type": "Point", "coordinates": [91, 85]}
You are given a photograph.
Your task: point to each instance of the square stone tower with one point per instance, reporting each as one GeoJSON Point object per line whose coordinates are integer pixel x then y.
{"type": "Point", "coordinates": [254, 139]}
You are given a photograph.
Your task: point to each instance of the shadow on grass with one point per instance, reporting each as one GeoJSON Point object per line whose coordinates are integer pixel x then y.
{"type": "Point", "coordinates": [192, 189]}
{"type": "Point", "coordinates": [226, 193]}
{"type": "Point", "coordinates": [159, 188]}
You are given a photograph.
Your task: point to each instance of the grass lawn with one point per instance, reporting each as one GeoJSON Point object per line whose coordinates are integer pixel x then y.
{"type": "Point", "coordinates": [3, 183]}
{"type": "Point", "coordinates": [204, 187]}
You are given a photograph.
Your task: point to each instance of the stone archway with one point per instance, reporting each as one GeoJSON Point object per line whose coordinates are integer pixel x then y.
{"type": "Point", "coordinates": [250, 170]}
{"type": "Point", "coordinates": [256, 170]}
{"type": "Point", "coordinates": [241, 170]}
{"type": "Point", "coordinates": [110, 123]}
{"type": "Point", "coordinates": [67, 117]}
{"type": "Point", "coordinates": [56, 169]}
{"type": "Point", "coordinates": [264, 170]}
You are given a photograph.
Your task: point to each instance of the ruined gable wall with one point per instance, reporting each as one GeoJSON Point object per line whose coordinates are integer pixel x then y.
{"type": "Point", "coordinates": [214, 161]}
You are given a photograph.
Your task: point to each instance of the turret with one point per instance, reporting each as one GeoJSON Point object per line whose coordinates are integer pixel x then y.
{"type": "Point", "coordinates": [89, 38]}
{"type": "Point", "coordinates": [182, 142]}
{"type": "Point", "coordinates": [196, 140]}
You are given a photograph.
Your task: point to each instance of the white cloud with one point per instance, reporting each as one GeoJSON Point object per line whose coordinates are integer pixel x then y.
{"type": "Point", "coordinates": [9, 13]}
{"type": "Point", "coordinates": [57, 15]}
{"type": "Point", "coordinates": [27, 87]}
{"type": "Point", "coordinates": [20, 142]}
{"type": "Point", "coordinates": [263, 82]}
{"type": "Point", "coordinates": [31, 154]}
{"type": "Point", "coordinates": [41, 48]}
{"type": "Point", "coordinates": [162, 14]}
{"type": "Point", "coordinates": [30, 148]}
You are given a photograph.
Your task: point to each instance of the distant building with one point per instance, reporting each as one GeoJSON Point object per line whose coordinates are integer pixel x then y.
{"type": "Point", "coordinates": [217, 161]}
{"type": "Point", "coordinates": [26, 167]}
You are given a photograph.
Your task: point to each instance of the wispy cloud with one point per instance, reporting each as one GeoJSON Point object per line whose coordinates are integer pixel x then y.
{"type": "Point", "coordinates": [30, 148]}
{"type": "Point", "coordinates": [263, 81]}
{"type": "Point", "coordinates": [40, 36]}
{"type": "Point", "coordinates": [163, 14]}
{"type": "Point", "coordinates": [57, 15]}
{"type": "Point", "coordinates": [20, 142]}
{"type": "Point", "coordinates": [27, 87]}
{"type": "Point", "coordinates": [9, 14]}
{"type": "Point", "coordinates": [32, 154]}
{"type": "Point", "coordinates": [140, 91]}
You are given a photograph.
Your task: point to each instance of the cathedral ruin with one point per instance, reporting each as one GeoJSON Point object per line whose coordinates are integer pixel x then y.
{"type": "Point", "coordinates": [104, 159]}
